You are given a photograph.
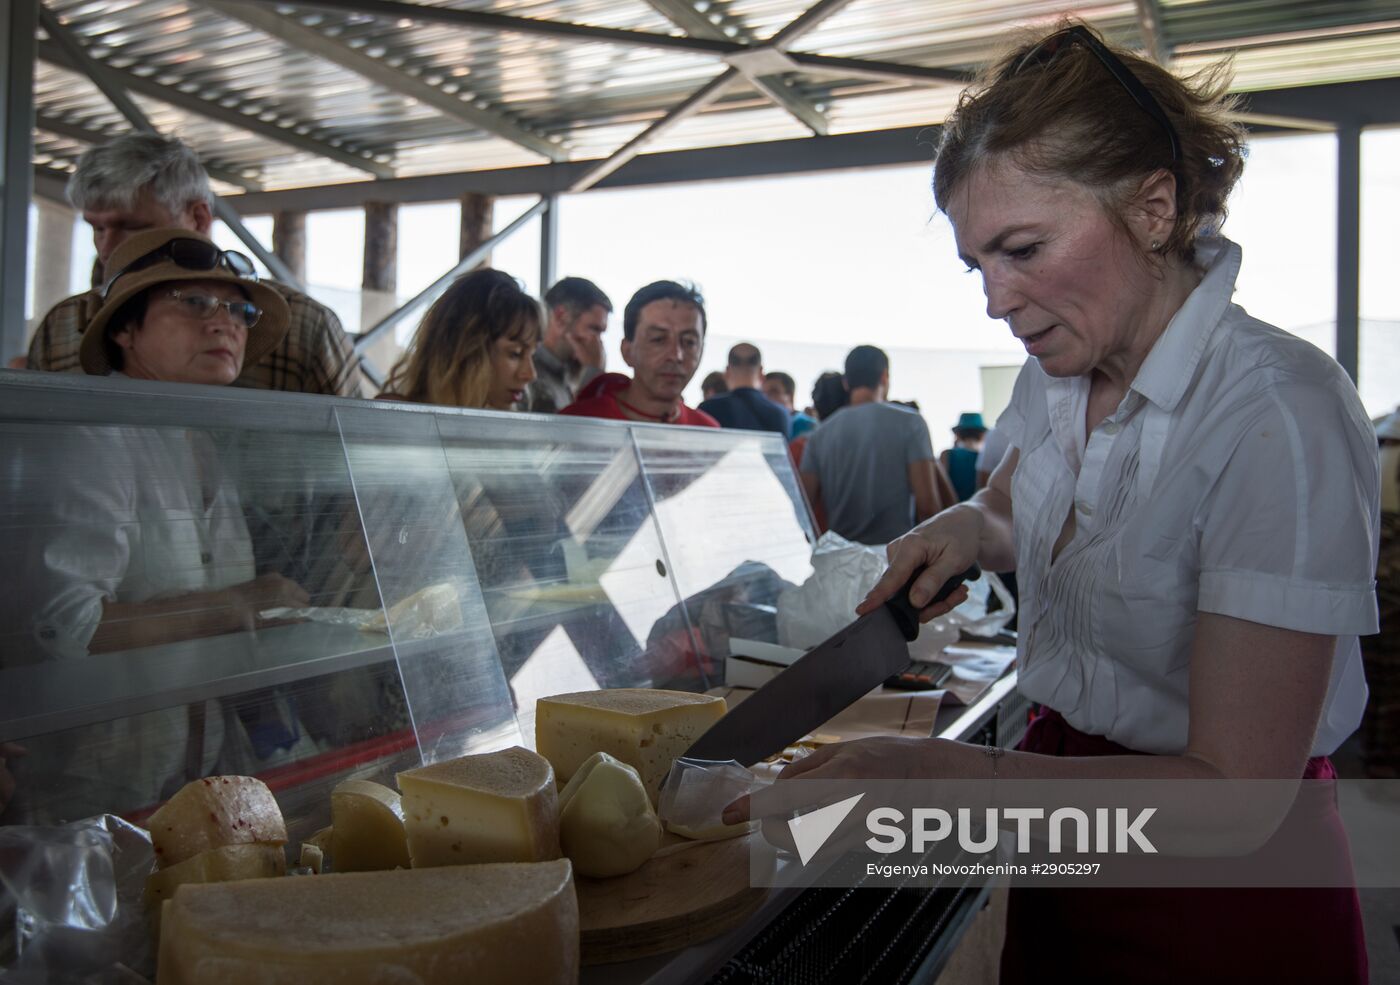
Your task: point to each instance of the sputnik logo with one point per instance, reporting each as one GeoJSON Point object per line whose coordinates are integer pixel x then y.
{"type": "Point", "coordinates": [810, 831]}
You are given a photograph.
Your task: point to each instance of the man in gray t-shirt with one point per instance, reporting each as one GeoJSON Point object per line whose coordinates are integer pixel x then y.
{"type": "Point", "coordinates": [871, 466]}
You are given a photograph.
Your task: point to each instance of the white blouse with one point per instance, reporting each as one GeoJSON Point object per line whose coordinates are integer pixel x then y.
{"type": "Point", "coordinates": [1239, 476]}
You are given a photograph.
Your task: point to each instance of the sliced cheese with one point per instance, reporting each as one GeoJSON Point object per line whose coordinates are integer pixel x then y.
{"type": "Point", "coordinates": [212, 813]}
{"type": "Point", "coordinates": [495, 807]}
{"type": "Point", "coordinates": [607, 826]}
{"type": "Point", "coordinates": [645, 728]}
{"type": "Point", "coordinates": [367, 831]}
{"type": "Point", "coordinates": [716, 831]}
{"type": "Point", "coordinates": [257, 861]}
{"type": "Point", "coordinates": [312, 857]}
{"type": "Point", "coordinates": [504, 924]}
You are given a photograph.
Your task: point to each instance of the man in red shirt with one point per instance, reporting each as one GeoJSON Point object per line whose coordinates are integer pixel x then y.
{"type": "Point", "coordinates": [663, 335]}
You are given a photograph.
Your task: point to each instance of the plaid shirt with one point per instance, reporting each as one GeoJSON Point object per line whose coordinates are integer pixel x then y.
{"type": "Point", "coordinates": [315, 357]}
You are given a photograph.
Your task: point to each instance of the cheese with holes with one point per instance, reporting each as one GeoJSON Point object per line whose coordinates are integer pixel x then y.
{"type": "Point", "coordinates": [367, 831]}
{"type": "Point", "coordinates": [645, 728]}
{"type": "Point", "coordinates": [495, 807]}
{"type": "Point", "coordinates": [607, 826]}
{"type": "Point", "coordinates": [503, 924]}
{"type": "Point", "coordinates": [214, 812]}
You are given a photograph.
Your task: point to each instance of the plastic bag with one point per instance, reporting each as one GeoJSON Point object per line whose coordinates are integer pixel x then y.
{"type": "Point", "coordinates": [73, 895]}
{"type": "Point", "coordinates": [844, 572]}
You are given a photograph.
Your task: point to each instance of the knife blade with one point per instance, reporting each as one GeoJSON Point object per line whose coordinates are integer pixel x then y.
{"type": "Point", "coordinates": [822, 683]}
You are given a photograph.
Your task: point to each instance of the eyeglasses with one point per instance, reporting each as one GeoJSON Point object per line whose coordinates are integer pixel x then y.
{"type": "Point", "coordinates": [206, 306]}
{"type": "Point", "coordinates": [1046, 52]}
{"type": "Point", "coordinates": [190, 254]}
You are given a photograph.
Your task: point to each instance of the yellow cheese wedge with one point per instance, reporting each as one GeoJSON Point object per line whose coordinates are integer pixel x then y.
{"type": "Point", "coordinates": [607, 826]}
{"type": "Point", "coordinates": [504, 924]}
{"type": "Point", "coordinates": [495, 807]}
{"type": "Point", "coordinates": [644, 728]}
{"type": "Point", "coordinates": [214, 812]}
{"type": "Point", "coordinates": [367, 831]}
{"type": "Point", "coordinates": [257, 861]}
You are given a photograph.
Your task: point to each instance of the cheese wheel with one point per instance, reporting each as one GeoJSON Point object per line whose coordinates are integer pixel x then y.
{"type": "Point", "coordinates": [494, 807]}
{"type": "Point", "coordinates": [501, 924]}
{"type": "Point", "coordinates": [214, 812]}
{"type": "Point", "coordinates": [644, 728]}
{"type": "Point", "coordinates": [606, 823]}
{"type": "Point", "coordinates": [225, 864]}
{"type": "Point", "coordinates": [367, 831]}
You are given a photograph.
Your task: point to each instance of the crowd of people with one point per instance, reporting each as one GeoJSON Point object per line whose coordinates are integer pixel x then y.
{"type": "Point", "coordinates": [484, 343]}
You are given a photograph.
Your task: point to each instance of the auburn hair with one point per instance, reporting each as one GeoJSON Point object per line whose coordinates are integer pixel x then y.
{"type": "Point", "coordinates": [448, 362]}
{"type": "Point", "coordinates": [1068, 117]}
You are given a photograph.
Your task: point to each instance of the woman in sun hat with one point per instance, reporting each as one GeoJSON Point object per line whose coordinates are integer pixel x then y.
{"type": "Point", "coordinates": [176, 308]}
{"type": "Point", "coordinates": [140, 539]}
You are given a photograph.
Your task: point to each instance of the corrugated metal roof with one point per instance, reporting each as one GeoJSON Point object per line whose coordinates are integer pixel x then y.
{"type": "Point", "coordinates": [285, 100]}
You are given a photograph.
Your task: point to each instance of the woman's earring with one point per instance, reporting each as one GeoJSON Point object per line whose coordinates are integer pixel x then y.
{"type": "Point", "coordinates": [1156, 246]}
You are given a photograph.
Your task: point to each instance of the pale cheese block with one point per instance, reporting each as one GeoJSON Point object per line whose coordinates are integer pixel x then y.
{"type": "Point", "coordinates": [607, 826]}
{"type": "Point", "coordinates": [494, 807]}
{"type": "Point", "coordinates": [214, 812]}
{"type": "Point", "coordinates": [256, 861]}
{"type": "Point", "coordinates": [644, 728]}
{"type": "Point", "coordinates": [501, 924]}
{"type": "Point", "coordinates": [367, 830]}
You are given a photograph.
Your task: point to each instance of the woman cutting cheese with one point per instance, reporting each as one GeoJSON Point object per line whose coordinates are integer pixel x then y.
{"type": "Point", "coordinates": [1195, 497]}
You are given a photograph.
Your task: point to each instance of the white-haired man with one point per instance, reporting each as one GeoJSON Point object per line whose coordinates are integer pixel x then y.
{"type": "Point", "coordinates": [145, 181]}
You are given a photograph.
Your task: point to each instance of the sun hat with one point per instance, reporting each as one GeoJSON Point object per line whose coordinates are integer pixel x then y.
{"type": "Point", "coordinates": [970, 422]}
{"type": "Point", "coordinates": [154, 257]}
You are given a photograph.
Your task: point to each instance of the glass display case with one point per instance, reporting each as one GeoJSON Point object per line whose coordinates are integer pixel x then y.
{"type": "Point", "coordinates": [307, 589]}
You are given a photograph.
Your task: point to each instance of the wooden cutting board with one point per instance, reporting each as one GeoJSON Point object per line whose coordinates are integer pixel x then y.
{"type": "Point", "coordinates": [687, 893]}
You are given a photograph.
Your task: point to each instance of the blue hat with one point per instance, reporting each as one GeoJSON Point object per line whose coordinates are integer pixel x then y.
{"type": "Point", "coordinates": [970, 422]}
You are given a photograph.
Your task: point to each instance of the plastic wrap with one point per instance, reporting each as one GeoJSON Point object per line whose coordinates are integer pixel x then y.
{"type": "Point", "coordinates": [73, 903]}
{"type": "Point", "coordinates": [697, 791]}
{"type": "Point", "coordinates": [844, 572]}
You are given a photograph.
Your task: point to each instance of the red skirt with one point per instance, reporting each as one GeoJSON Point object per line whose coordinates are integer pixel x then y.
{"type": "Point", "coordinates": [1178, 935]}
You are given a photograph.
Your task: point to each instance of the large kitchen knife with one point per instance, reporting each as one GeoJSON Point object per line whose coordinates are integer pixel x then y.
{"type": "Point", "coordinates": [822, 683]}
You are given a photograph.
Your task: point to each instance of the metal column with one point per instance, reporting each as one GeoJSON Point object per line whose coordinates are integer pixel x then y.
{"type": "Point", "coordinates": [18, 22]}
{"type": "Point", "coordinates": [549, 243]}
{"type": "Point", "coordinates": [1349, 248]}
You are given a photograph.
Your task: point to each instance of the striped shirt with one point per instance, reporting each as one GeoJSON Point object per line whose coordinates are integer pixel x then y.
{"type": "Point", "coordinates": [315, 357]}
{"type": "Point", "coordinates": [1238, 476]}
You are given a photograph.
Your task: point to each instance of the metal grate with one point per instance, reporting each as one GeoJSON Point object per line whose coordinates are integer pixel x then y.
{"type": "Point", "coordinates": [851, 937]}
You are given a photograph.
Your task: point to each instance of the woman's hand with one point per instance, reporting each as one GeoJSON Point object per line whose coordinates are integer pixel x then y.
{"type": "Point", "coordinates": [943, 546]}
{"type": "Point", "coordinates": [874, 758]}
{"type": "Point", "coordinates": [269, 591]}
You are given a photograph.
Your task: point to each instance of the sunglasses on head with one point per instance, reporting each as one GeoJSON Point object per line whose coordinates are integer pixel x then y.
{"type": "Point", "coordinates": [190, 254]}
{"type": "Point", "coordinates": [1046, 52]}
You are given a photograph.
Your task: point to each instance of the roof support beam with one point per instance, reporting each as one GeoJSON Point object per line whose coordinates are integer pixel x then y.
{"type": "Point", "coordinates": [393, 10]}
{"type": "Point", "coordinates": [683, 14]}
{"type": "Point", "coordinates": [314, 42]}
{"type": "Point", "coordinates": [50, 52]}
{"type": "Point", "coordinates": [82, 134]}
{"type": "Point", "coordinates": [112, 89]}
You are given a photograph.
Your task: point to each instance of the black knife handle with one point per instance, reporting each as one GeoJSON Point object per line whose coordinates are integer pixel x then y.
{"type": "Point", "coordinates": [906, 617]}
